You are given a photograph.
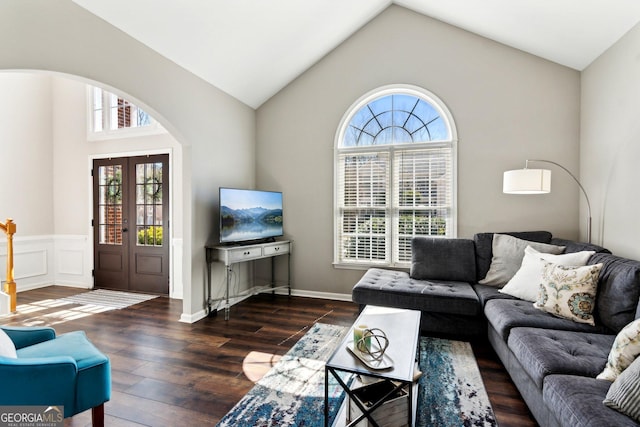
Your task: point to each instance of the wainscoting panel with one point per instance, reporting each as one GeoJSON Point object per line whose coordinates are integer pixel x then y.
{"type": "Point", "coordinates": [67, 260]}
{"type": "Point", "coordinates": [32, 261]}
{"type": "Point", "coordinates": [73, 260]}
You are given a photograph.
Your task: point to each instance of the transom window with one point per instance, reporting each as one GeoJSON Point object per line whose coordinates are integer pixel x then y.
{"type": "Point", "coordinates": [112, 116]}
{"type": "Point", "coordinates": [394, 176]}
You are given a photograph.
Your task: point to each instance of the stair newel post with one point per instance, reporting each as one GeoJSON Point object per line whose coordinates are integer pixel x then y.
{"type": "Point", "coordinates": [10, 286]}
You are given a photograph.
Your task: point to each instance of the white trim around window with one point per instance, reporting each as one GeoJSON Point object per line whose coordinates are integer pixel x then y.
{"type": "Point", "coordinates": [394, 176]}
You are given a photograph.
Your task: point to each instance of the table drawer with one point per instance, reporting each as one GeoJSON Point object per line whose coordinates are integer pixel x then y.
{"type": "Point", "coordinates": [242, 254]}
{"type": "Point", "coordinates": [276, 248]}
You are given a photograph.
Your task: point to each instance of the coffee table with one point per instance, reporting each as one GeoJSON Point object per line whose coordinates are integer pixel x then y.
{"type": "Point", "coordinates": [402, 328]}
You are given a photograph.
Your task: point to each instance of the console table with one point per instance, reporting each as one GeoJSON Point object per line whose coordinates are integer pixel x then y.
{"type": "Point", "coordinates": [230, 255]}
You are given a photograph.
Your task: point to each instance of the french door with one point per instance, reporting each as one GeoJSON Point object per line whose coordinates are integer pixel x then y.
{"type": "Point", "coordinates": [131, 223]}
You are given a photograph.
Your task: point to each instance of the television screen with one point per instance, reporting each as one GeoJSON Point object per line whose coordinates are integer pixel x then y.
{"type": "Point", "coordinates": [249, 215]}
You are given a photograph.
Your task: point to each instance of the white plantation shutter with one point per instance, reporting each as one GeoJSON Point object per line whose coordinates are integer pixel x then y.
{"type": "Point", "coordinates": [394, 177]}
{"type": "Point", "coordinates": [363, 203]}
{"type": "Point", "coordinates": [423, 198]}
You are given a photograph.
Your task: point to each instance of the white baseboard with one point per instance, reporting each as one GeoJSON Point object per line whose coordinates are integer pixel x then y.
{"type": "Point", "coordinates": [316, 294]}
{"type": "Point", "coordinates": [193, 318]}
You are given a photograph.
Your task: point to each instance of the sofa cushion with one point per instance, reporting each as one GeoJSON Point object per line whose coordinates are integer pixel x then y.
{"type": "Point", "coordinates": [443, 259]}
{"type": "Point", "coordinates": [569, 292]}
{"type": "Point", "coordinates": [505, 314]}
{"type": "Point", "coordinates": [484, 243]}
{"type": "Point", "coordinates": [508, 252]}
{"type": "Point", "coordinates": [577, 401]}
{"type": "Point", "coordinates": [618, 290]}
{"type": "Point", "coordinates": [486, 293]}
{"type": "Point", "coordinates": [624, 350]}
{"type": "Point", "coordinates": [395, 289]}
{"type": "Point", "coordinates": [525, 284]}
{"type": "Point", "coordinates": [542, 352]}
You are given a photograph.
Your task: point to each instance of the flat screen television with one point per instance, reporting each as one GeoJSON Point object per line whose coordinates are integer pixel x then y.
{"type": "Point", "coordinates": [249, 215]}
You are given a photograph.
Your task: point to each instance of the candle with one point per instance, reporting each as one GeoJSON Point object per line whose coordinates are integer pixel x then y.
{"type": "Point", "coordinates": [360, 331]}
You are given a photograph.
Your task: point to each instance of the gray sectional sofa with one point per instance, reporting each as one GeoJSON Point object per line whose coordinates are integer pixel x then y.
{"type": "Point", "coordinates": [553, 361]}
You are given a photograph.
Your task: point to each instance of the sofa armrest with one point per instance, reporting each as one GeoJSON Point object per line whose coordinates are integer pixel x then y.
{"type": "Point", "coordinates": [443, 259]}
{"type": "Point", "coordinates": [25, 336]}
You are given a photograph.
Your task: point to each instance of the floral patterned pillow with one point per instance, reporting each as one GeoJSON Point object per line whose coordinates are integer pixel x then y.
{"type": "Point", "coordinates": [626, 347]}
{"type": "Point", "coordinates": [569, 292]}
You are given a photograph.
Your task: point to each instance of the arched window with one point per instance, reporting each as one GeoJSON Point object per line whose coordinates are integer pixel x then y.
{"type": "Point", "coordinates": [395, 163]}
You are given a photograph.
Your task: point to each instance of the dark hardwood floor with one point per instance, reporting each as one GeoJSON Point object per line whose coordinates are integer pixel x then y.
{"type": "Point", "coordinates": [168, 373]}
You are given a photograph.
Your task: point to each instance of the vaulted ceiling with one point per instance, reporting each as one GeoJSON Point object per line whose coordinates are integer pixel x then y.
{"type": "Point", "coordinates": [253, 48]}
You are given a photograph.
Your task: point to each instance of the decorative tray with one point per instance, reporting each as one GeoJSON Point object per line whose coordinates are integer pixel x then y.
{"type": "Point", "coordinates": [385, 362]}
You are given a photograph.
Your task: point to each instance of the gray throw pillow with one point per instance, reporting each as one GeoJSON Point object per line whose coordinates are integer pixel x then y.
{"type": "Point", "coordinates": [508, 252]}
{"type": "Point", "coordinates": [443, 259]}
{"type": "Point", "coordinates": [624, 393]}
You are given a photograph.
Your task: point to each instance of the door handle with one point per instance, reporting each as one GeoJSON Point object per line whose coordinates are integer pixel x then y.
{"type": "Point", "coordinates": [124, 230]}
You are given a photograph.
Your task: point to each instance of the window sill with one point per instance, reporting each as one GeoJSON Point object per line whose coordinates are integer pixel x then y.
{"type": "Point", "coordinates": [363, 266]}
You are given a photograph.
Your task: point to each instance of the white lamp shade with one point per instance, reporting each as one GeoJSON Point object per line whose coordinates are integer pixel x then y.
{"type": "Point", "coordinates": [527, 181]}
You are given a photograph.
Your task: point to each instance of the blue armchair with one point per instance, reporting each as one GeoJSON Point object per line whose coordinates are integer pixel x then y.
{"type": "Point", "coordinates": [55, 370]}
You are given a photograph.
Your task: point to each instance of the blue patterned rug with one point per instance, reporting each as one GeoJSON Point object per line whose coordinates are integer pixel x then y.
{"type": "Point", "coordinates": [451, 391]}
{"type": "Point", "coordinates": [292, 392]}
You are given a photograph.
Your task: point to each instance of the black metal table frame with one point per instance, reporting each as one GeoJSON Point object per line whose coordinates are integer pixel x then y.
{"type": "Point", "coordinates": [366, 412]}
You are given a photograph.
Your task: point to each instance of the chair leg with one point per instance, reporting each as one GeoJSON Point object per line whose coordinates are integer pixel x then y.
{"type": "Point", "coordinates": [97, 416]}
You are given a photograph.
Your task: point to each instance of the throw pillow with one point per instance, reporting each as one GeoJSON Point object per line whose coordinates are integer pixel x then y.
{"type": "Point", "coordinates": [569, 292]}
{"type": "Point", "coordinates": [624, 393]}
{"type": "Point", "coordinates": [508, 252]}
{"type": "Point", "coordinates": [526, 282]}
{"type": "Point", "coordinates": [625, 348]}
{"type": "Point", "coordinates": [7, 348]}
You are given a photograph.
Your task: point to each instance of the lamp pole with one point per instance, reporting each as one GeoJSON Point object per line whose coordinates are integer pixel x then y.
{"type": "Point", "coordinates": [579, 185]}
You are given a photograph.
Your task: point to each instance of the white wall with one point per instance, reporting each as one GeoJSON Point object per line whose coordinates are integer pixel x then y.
{"type": "Point", "coordinates": [610, 145]}
{"type": "Point", "coordinates": [215, 130]}
{"type": "Point", "coordinates": [26, 190]}
{"type": "Point", "coordinates": [26, 187]}
{"type": "Point", "coordinates": [508, 106]}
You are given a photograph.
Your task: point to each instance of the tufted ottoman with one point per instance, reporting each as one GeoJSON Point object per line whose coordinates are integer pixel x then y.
{"type": "Point", "coordinates": [447, 306]}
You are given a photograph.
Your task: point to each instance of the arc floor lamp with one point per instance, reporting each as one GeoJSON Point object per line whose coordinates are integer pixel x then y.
{"type": "Point", "coordinates": [538, 181]}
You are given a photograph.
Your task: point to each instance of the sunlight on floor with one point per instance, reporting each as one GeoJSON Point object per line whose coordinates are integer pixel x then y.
{"type": "Point", "coordinates": [257, 364]}
{"type": "Point", "coordinates": [65, 312]}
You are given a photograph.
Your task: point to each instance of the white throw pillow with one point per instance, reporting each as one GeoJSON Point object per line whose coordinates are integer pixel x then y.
{"type": "Point", "coordinates": [526, 282]}
{"type": "Point", "coordinates": [506, 260]}
{"type": "Point", "coordinates": [7, 348]}
{"type": "Point", "coordinates": [569, 292]}
{"type": "Point", "coordinates": [625, 349]}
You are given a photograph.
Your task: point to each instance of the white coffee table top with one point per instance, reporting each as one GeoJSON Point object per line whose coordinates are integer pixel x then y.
{"type": "Point", "coordinates": [402, 328]}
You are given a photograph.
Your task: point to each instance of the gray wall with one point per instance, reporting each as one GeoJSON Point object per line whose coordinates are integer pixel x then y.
{"type": "Point", "coordinates": [217, 131]}
{"type": "Point", "coordinates": [610, 145]}
{"type": "Point", "coordinates": [508, 106]}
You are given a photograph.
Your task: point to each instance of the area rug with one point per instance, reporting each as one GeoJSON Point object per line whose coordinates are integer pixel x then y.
{"type": "Point", "coordinates": [107, 298]}
{"type": "Point", "coordinates": [292, 392]}
{"type": "Point", "coordinates": [450, 393]}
